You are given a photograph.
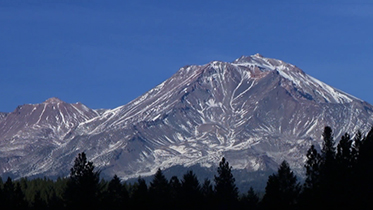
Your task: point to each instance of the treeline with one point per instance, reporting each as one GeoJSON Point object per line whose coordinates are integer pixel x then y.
{"type": "Point", "coordinates": [336, 177]}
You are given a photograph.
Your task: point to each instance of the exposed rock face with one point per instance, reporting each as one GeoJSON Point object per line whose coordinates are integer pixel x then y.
{"type": "Point", "coordinates": [254, 111]}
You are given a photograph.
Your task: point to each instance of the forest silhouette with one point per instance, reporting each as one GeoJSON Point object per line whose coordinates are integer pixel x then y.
{"type": "Point", "coordinates": [336, 177]}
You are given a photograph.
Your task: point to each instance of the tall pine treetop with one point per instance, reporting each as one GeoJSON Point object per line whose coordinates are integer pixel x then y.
{"type": "Point", "coordinates": [225, 187]}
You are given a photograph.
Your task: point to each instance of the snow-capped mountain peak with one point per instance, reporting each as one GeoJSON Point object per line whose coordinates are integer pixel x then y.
{"type": "Point", "coordinates": [255, 111]}
{"type": "Point", "coordinates": [53, 100]}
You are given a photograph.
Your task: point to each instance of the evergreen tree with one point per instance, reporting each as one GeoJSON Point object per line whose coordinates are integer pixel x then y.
{"type": "Point", "coordinates": [313, 165]}
{"type": "Point", "coordinates": [321, 173]}
{"type": "Point", "coordinates": [13, 197]}
{"type": "Point", "coordinates": [328, 171]}
{"type": "Point", "coordinates": [226, 191]}
{"type": "Point", "coordinates": [207, 189]}
{"type": "Point", "coordinates": [56, 200]}
{"type": "Point", "coordinates": [8, 194]}
{"type": "Point", "coordinates": [159, 190]}
{"type": "Point", "coordinates": [344, 155]}
{"type": "Point", "coordinates": [1, 194]}
{"type": "Point", "coordinates": [190, 191]}
{"type": "Point", "coordinates": [140, 195]}
{"type": "Point", "coordinates": [175, 190]}
{"type": "Point", "coordinates": [356, 147]}
{"type": "Point", "coordinates": [250, 200]}
{"type": "Point", "coordinates": [38, 203]}
{"type": "Point", "coordinates": [363, 182]}
{"type": "Point", "coordinates": [207, 192]}
{"type": "Point", "coordinates": [328, 154]}
{"type": "Point", "coordinates": [282, 190]}
{"type": "Point", "coordinates": [311, 188]}
{"type": "Point", "coordinates": [83, 184]}
{"type": "Point", "coordinates": [116, 194]}
{"type": "Point", "coordinates": [345, 165]}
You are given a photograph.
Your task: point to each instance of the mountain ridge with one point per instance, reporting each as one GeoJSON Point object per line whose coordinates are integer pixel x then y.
{"type": "Point", "coordinates": [255, 111]}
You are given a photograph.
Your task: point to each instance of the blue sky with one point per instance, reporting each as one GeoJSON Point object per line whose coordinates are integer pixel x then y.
{"type": "Point", "coordinates": [106, 53]}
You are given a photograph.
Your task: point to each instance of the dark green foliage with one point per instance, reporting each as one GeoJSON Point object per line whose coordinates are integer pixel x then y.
{"type": "Point", "coordinates": [312, 167]}
{"type": "Point", "coordinates": [116, 195]}
{"type": "Point", "coordinates": [250, 200]}
{"type": "Point", "coordinates": [226, 192]}
{"type": "Point", "coordinates": [8, 194]}
{"type": "Point", "coordinates": [344, 166]}
{"type": "Point", "coordinates": [207, 192]}
{"type": "Point", "coordinates": [159, 190]}
{"type": "Point", "coordinates": [140, 195]}
{"type": "Point", "coordinates": [207, 188]}
{"type": "Point", "coordinates": [329, 170]}
{"type": "Point", "coordinates": [328, 149]}
{"type": "Point", "coordinates": [340, 177]}
{"type": "Point", "coordinates": [175, 192]}
{"type": "Point", "coordinates": [356, 147]}
{"type": "Point", "coordinates": [12, 196]}
{"type": "Point", "coordinates": [190, 191]}
{"type": "Point", "coordinates": [38, 202]}
{"type": "Point", "coordinates": [328, 155]}
{"type": "Point", "coordinates": [363, 182]}
{"type": "Point", "coordinates": [321, 174]}
{"type": "Point", "coordinates": [83, 184]}
{"type": "Point", "coordinates": [344, 156]}
{"type": "Point", "coordinates": [312, 185]}
{"type": "Point", "coordinates": [282, 190]}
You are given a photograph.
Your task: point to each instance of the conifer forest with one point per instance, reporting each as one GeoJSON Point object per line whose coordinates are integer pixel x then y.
{"type": "Point", "coordinates": [339, 176]}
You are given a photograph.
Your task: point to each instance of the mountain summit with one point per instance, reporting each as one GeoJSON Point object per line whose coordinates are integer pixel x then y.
{"type": "Point", "coordinates": [255, 111]}
{"type": "Point", "coordinates": [53, 100]}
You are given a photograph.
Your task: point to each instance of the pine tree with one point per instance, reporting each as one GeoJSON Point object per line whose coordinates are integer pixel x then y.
{"type": "Point", "coordinates": [313, 165]}
{"type": "Point", "coordinates": [57, 200]}
{"type": "Point", "coordinates": [344, 156]}
{"type": "Point", "coordinates": [363, 182]}
{"type": "Point", "coordinates": [83, 184]}
{"type": "Point", "coordinates": [140, 198]}
{"type": "Point", "coordinates": [345, 165]}
{"type": "Point", "coordinates": [250, 200]}
{"type": "Point", "coordinates": [328, 152]}
{"type": "Point", "coordinates": [329, 174]}
{"type": "Point", "coordinates": [311, 188]}
{"type": "Point", "coordinates": [226, 191]}
{"type": "Point", "coordinates": [159, 190]}
{"type": "Point", "coordinates": [356, 147]}
{"type": "Point", "coordinates": [190, 191]}
{"type": "Point", "coordinates": [207, 192]}
{"type": "Point", "coordinates": [175, 193]}
{"type": "Point", "coordinates": [38, 203]}
{"type": "Point", "coordinates": [8, 194]}
{"type": "Point", "coordinates": [328, 170]}
{"type": "Point", "coordinates": [116, 194]}
{"type": "Point", "coordinates": [282, 190]}
{"type": "Point", "coordinates": [12, 196]}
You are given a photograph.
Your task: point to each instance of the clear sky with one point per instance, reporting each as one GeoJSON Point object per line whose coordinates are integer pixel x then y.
{"type": "Point", "coordinates": [106, 53]}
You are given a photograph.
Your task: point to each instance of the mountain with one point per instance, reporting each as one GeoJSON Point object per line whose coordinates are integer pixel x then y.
{"type": "Point", "coordinates": [255, 111]}
{"type": "Point", "coordinates": [33, 131]}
